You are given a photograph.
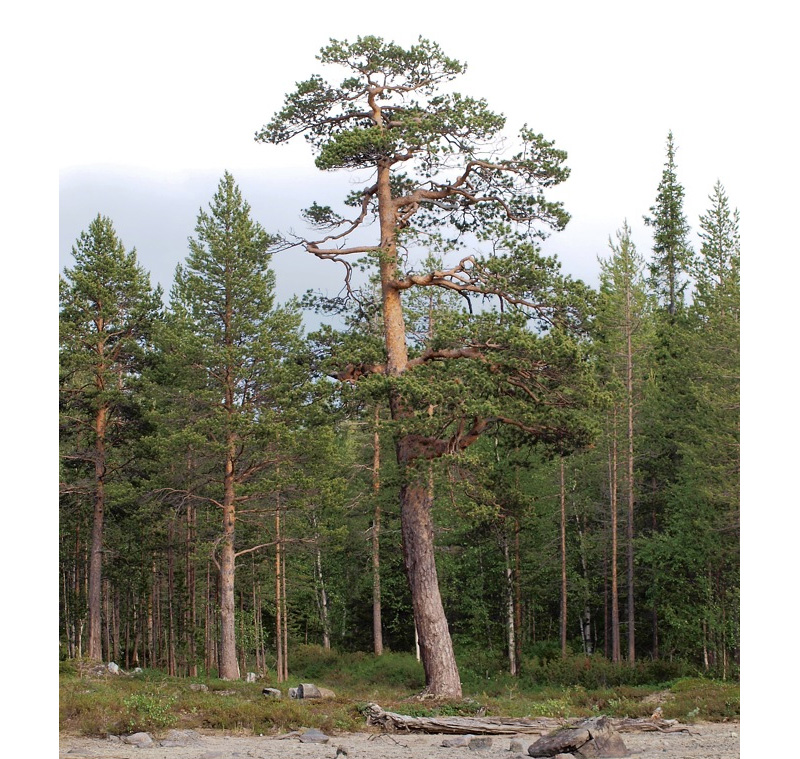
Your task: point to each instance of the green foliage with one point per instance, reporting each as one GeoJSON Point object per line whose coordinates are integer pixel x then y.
{"type": "Point", "coordinates": [149, 711]}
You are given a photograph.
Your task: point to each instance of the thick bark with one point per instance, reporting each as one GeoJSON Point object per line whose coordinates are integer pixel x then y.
{"type": "Point", "coordinates": [436, 648]}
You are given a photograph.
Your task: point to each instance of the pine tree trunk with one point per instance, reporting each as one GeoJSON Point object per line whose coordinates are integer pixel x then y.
{"type": "Point", "coordinates": [616, 654]}
{"type": "Point", "coordinates": [285, 618]}
{"type": "Point", "coordinates": [517, 595]}
{"type": "Point", "coordinates": [95, 651]}
{"type": "Point", "coordinates": [172, 666]}
{"type": "Point", "coordinates": [563, 530]}
{"type": "Point", "coordinates": [631, 480]}
{"type": "Point", "coordinates": [228, 664]}
{"type": "Point", "coordinates": [191, 588]}
{"type": "Point", "coordinates": [436, 647]}
{"type": "Point", "coordinates": [278, 602]}
{"type": "Point", "coordinates": [377, 624]}
{"type": "Point", "coordinates": [436, 650]}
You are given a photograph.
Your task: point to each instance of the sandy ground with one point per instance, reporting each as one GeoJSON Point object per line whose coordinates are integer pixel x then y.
{"type": "Point", "coordinates": [704, 741]}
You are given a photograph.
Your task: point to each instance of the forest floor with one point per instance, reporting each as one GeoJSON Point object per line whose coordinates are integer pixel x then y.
{"type": "Point", "coordinates": [702, 741]}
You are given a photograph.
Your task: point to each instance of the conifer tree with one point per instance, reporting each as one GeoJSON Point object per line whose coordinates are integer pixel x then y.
{"type": "Point", "coordinates": [236, 344]}
{"type": "Point", "coordinates": [671, 252]}
{"type": "Point", "coordinates": [107, 313]}
{"type": "Point", "coordinates": [621, 323]}
{"type": "Point", "coordinates": [435, 168]}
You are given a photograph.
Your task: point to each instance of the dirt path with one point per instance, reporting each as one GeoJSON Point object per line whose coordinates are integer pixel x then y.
{"type": "Point", "coordinates": [705, 741]}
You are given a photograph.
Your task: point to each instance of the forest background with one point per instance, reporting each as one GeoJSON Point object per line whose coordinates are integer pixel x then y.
{"type": "Point", "coordinates": [756, 34]}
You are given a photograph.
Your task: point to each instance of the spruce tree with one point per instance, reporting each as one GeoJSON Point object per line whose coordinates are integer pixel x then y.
{"type": "Point", "coordinates": [671, 252]}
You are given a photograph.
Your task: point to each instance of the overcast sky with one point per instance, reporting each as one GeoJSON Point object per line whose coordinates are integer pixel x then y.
{"type": "Point", "coordinates": [135, 110]}
{"type": "Point", "coordinates": [156, 105]}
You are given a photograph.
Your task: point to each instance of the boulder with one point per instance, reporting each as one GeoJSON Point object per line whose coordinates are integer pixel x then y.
{"type": "Point", "coordinates": [113, 668]}
{"type": "Point", "coordinates": [271, 693]}
{"type": "Point", "coordinates": [309, 690]}
{"type": "Point", "coordinates": [178, 738]}
{"type": "Point", "coordinates": [198, 687]}
{"type": "Point", "coordinates": [250, 677]}
{"type": "Point", "coordinates": [593, 737]}
{"type": "Point", "coordinates": [313, 736]}
{"type": "Point", "coordinates": [480, 743]}
{"type": "Point", "coordinates": [458, 741]}
{"type": "Point", "coordinates": [141, 740]}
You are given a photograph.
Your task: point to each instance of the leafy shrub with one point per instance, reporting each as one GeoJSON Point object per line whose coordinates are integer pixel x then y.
{"type": "Point", "coordinates": [148, 711]}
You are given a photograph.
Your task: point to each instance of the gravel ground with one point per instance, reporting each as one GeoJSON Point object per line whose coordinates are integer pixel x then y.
{"type": "Point", "coordinates": [704, 741]}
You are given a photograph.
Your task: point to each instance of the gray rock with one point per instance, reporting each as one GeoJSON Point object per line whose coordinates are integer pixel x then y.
{"type": "Point", "coordinates": [593, 737]}
{"type": "Point", "coordinates": [293, 693]}
{"type": "Point", "coordinates": [114, 668]}
{"type": "Point", "coordinates": [517, 746]}
{"type": "Point", "coordinates": [313, 736]}
{"type": "Point", "coordinates": [180, 738]}
{"type": "Point", "coordinates": [137, 670]}
{"type": "Point", "coordinates": [198, 687]}
{"type": "Point", "coordinates": [138, 739]}
{"type": "Point", "coordinates": [225, 692]}
{"type": "Point", "coordinates": [251, 677]}
{"type": "Point", "coordinates": [272, 693]}
{"type": "Point", "coordinates": [480, 743]}
{"type": "Point", "coordinates": [458, 741]}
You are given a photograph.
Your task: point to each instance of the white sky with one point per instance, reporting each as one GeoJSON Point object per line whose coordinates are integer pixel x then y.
{"type": "Point", "coordinates": [136, 109]}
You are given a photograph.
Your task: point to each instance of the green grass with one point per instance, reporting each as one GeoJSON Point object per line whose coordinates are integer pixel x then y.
{"type": "Point", "coordinates": [91, 705]}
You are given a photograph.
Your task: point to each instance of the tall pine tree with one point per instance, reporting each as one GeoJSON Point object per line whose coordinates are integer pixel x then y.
{"type": "Point", "coordinates": [235, 343]}
{"type": "Point", "coordinates": [108, 311]}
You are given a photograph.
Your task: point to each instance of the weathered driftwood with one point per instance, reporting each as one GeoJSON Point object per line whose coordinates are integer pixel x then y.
{"type": "Point", "coordinates": [648, 724]}
{"type": "Point", "coordinates": [393, 722]}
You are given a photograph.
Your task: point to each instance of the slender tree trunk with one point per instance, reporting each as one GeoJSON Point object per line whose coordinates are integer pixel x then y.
{"type": "Point", "coordinates": [95, 651]}
{"type": "Point", "coordinates": [285, 617]}
{"type": "Point", "coordinates": [228, 665]}
{"type": "Point", "coordinates": [107, 619]}
{"type": "Point", "coordinates": [631, 481]}
{"type": "Point", "coordinates": [616, 654]}
{"type": "Point", "coordinates": [191, 590]}
{"type": "Point", "coordinates": [322, 597]}
{"type": "Point", "coordinates": [377, 624]}
{"type": "Point", "coordinates": [172, 665]}
{"type": "Point", "coordinates": [517, 595]}
{"type": "Point", "coordinates": [563, 499]}
{"type": "Point", "coordinates": [209, 623]}
{"type": "Point", "coordinates": [278, 602]}
{"type": "Point", "coordinates": [586, 615]}
{"type": "Point", "coordinates": [510, 611]}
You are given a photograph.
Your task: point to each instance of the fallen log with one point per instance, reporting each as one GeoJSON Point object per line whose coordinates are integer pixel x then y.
{"type": "Point", "coordinates": [392, 722]}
